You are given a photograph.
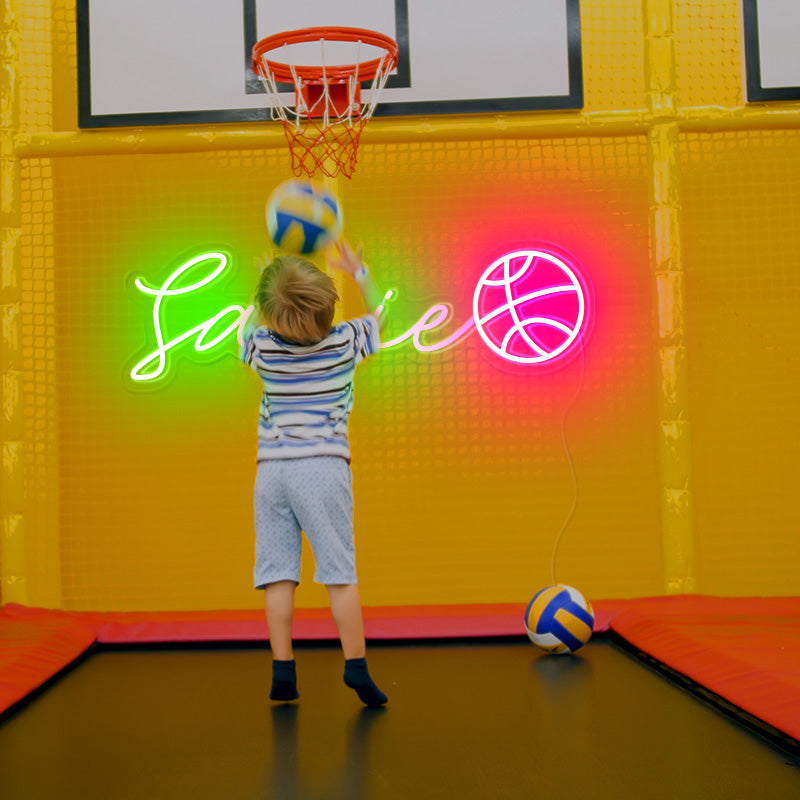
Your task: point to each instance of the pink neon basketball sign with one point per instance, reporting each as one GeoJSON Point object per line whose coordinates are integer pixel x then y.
{"type": "Point", "coordinates": [529, 306]}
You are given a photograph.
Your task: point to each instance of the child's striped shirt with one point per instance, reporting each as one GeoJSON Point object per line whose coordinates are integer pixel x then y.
{"type": "Point", "coordinates": [308, 389]}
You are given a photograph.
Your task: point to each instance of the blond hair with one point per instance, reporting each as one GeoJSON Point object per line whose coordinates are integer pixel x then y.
{"type": "Point", "coordinates": [296, 299]}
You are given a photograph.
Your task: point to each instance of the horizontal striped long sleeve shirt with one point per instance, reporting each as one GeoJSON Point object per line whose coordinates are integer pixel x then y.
{"type": "Point", "coordinates": [308, 389]}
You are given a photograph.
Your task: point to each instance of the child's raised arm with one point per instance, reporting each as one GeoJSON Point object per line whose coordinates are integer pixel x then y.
{"type": "Point", "coordinates": [351, 264]}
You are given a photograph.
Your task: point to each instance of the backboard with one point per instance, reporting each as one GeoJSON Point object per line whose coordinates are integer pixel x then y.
{"type": "Point", "coordinates": [772, 58]}
{"type": "Point", "coordinates": [160, 62]}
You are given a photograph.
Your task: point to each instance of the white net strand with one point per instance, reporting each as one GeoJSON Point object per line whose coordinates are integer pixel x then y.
{"type": "Point", "coordinates": [299, 100]}
{"type": "Point", "coordinates": [325, 96]}
{"type": "Point", "coordinates": [351, 87]}
{"type": "Point", "coordinates": [378, 82]}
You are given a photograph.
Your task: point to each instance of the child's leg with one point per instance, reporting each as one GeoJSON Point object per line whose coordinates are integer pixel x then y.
{"type": "Point", "coordinates": [346, 610]}
{"type": "Point", "coordinates": [279, 605]}
{"type": "Point", "coordinates": [277, 569]}
{"type": "Point", "coordinates": [322, 501]}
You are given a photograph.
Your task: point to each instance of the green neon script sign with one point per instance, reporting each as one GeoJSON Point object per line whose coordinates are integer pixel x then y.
{"type": "Point", "coordinates": [154, 364]}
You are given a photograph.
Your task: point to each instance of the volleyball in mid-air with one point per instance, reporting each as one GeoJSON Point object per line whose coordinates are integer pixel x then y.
{"type": "Point", "coordinates": [303, 216]}
{"type": "Point", "coordinates": [559, 620]}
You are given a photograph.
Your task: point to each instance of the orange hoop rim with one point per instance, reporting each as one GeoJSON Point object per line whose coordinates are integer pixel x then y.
{"type": "Point", "coordinates": [337, 73]}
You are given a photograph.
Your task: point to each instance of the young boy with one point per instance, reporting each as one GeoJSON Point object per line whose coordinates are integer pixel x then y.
{"type": "Point", "coordinates": [303, 477]}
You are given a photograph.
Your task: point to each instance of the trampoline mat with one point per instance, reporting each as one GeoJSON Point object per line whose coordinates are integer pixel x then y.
{"type": "Point", "coordinates": [478, 719]}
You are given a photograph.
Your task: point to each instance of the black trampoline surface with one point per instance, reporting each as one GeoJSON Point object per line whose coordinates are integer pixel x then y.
{"type": "Point", "coordinates": [464, 720]}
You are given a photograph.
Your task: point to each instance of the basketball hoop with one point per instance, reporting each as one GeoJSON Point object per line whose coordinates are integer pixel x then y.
{"type": "Point", "coordinates": [325, 123]}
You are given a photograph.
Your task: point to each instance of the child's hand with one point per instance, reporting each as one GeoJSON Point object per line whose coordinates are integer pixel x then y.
{"type": "Point", "coordinates": [347, 261]}
{"type": "Point", "coordinates": [350, 262]}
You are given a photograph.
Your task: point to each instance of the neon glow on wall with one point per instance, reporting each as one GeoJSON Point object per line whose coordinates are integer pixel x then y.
{"type": "Point", "coordinates": [529, 307]}
{"type": "Point", "coordinates": [159, 355]}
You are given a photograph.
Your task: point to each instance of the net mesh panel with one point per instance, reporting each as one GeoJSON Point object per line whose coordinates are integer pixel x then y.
{"type": "Point", "coordinates": [708, 52]}
{"type": "Point", "coordinates": [37, 44]}
{"type": "Point", "coordinates": [139, 499]}
{"type": "Point", "coordinates": [740, 195]}
{"type": "Point", "coordinates": [613, 53]}
{"type": "Point", "coordinates": [39, 359]}
{"type": "Point", "coordinates": [482, 446]}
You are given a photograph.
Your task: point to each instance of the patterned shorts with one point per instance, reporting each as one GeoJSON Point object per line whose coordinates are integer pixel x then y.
{"type": "Point", "coordinates": [313, 495]}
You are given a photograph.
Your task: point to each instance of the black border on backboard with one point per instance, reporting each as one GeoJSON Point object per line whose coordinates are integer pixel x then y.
{"type": "Point", "coordinates": [752, 57]}
{"type": "Point", "coordinates": [573, 100]}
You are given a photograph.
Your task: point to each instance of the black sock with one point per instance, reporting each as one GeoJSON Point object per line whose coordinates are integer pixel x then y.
{"type": "Point", "coordinates": [357, 677]}
{"type": "Point", "coordinates": [284, 681]}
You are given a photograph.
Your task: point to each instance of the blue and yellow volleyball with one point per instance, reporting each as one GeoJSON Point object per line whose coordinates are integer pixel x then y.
{"type": "Point", "coordinates": [303, 216]}
{"type": "Point", "coordinates": [559, 620]}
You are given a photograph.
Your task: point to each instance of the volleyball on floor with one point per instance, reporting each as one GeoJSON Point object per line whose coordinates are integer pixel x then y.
{"type": "Point", "coordinates": [559, 620]}
{"type": "Point", "coordinates": [303, 216]}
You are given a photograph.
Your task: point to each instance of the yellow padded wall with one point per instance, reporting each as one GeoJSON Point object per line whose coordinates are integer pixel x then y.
{"type": "Point", "coordinates": [140, 498]}
{"type": "Point", "coordinates": [462, 479]}
{"type": "Point", "coordinates": [462, 476]}
{"type": "Point", "coordinates": [741, 196]}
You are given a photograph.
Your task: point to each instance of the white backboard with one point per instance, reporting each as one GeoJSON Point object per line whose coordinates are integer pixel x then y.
{"type": "Point", "coordinates": [188, 61]}
{"type": "Point", "coordinates": [772, 49]}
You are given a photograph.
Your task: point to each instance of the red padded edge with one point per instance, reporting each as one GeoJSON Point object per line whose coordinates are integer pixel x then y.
{"type": "Point", "coordinates": [34, 650]}
{"type": "Point", "coordinates": [387, 622]}
{"type": "Point", "coordinates": [418, 622]}
{"type": "Point", "coordinates": [746, 650]}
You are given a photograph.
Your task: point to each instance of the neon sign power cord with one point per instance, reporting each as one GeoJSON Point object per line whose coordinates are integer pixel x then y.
{"type": "Point", "coordinates": [574, 506]}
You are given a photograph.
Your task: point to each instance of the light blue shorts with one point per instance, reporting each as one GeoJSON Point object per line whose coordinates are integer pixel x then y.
{"type": "Point", "coordinates": [313, 495]}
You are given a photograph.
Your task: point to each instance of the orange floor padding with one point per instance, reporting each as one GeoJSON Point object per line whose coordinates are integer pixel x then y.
{"type": "Point", "coordinates": [34, 650]}
{"type": "Point", "coordinates": [746, 650]}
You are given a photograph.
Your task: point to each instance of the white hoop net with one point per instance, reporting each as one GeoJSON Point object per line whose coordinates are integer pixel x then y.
{"type": "Point", "coordinates": [324, 124]}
